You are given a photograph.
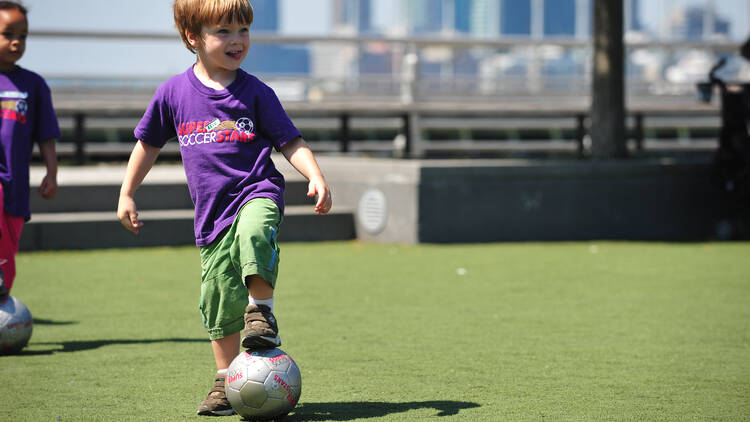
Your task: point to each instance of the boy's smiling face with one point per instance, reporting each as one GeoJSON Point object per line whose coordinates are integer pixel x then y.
{"type": "Point", "coordinates": [222, 47]}
{"type": "Point", "coordinates": [13, 30]}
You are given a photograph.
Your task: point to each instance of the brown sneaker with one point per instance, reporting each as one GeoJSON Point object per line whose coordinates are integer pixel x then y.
{"type": "Point", "coordinates": [216, 404]}
{"type": "Point", "coordinates": [261, 331]}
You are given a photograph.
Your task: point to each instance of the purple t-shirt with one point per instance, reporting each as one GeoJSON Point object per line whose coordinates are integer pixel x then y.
{"type": "Point", "coordinates": [27, 117]}
{"type": "Point", "coordinates": [226, 138]}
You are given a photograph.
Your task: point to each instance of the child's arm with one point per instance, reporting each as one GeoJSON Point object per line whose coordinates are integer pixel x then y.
{"type": "Point", "coordinates": [141, 160]}
{"type": "Point", "coordinates": [48, 188]}
{"type": "Point", "coordinates": [299, 155]}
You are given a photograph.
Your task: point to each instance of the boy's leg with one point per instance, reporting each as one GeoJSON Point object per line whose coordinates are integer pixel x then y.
{"type": "Point", "coordinates": [216, 403]}
{"type": "Point", "coordinates": [261, 329]}
{"type": "Point", "coordinates": [225, 350]}
{"type": "Point", "coordinates": [10, 233]}
{"type": "Point", "coordinates": [11, 227]}
{"type": "Point", "coordinates": [222, 304]}
{"type": "Point", "coordinates": [258, 288]}
{"type": "Point", "coordinates": [257, 254]}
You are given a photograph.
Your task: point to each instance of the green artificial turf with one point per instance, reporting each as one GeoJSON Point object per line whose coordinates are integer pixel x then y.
{"type": "Point", "coordinates": [487, 332]}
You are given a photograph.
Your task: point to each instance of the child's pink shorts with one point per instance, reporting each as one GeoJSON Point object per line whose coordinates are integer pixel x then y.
{"type": "Point", "coordinates": [10, 235]}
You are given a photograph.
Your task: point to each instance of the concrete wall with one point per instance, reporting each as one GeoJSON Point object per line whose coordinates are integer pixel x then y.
{"type": "Point", "coordinates": [571, 201]}
{"type": "Point", "coordinates": [397, 180]}
{"type": "Point", "coordinates": [420, 201]}
{"type": "Point", "coordinates": [502, 200]}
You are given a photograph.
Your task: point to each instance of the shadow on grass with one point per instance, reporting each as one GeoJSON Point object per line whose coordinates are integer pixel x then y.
{"type": "Point", "coordinates": [80, 345]}
{"type": "Point", "coordinates": [41, 321]}
{"type": "Point", "coordinates": [347, 411]}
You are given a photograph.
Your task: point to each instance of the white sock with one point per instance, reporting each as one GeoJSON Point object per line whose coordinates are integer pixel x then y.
{"type": "Point", "coordinates": [267, 302]}
{"type": "Point", "coordinates": [222, 371]}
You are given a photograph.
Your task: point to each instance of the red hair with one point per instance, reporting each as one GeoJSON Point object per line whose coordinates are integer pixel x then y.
{"type": "Point", "coordinates": [191, 15]}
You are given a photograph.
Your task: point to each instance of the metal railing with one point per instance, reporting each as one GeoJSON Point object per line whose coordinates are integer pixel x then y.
{"type": "Point", "coordinates": [417, 92]}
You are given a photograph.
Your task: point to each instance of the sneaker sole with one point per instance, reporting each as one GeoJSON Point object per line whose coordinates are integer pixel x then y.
{"type": "Point", "coordinates": [261, 342]}
{"type": "Point", "coordinates": [228, 412]}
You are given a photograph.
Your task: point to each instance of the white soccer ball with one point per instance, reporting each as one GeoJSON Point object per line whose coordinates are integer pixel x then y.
{"type": "Point", "coordinates": [244, 124]}
{"type": "Point", "coordinates": [263, 384]}
{"type": "Point", "coordinates": [22, 107]}
{"type": "Point", "coordinates": [16, 325]}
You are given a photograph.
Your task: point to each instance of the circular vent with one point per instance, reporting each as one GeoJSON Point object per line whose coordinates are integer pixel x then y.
{"type": "Point", "coordinates": [373, 211]}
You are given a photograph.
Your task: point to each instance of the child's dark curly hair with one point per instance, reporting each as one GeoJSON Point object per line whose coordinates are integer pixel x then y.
{"type": "Point", "coordinates": [9, 5]}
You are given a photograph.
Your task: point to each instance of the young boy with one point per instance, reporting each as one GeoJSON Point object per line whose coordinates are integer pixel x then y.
{"type": "Point", "coordinates": [226, 122]}
{"type": "Point", "coordinates": [26, 117]}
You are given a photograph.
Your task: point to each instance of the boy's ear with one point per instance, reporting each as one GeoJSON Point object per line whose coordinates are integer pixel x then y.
{"type": "Point", "coordinates": [193, 39]}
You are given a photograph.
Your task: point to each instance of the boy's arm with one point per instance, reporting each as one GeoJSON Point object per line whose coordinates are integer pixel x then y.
{"type": "Point", "coordinates": [48, 188]}
{"type": "Point", "coordinates": [299, 155]}
{"type": "Point", "coordinates": [141, 160]}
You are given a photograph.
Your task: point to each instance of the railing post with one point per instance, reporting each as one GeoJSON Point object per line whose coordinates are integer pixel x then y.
{"type": "Point", "coordinates": [344, 133]}
{"type": "Point", "coordinates": [638, 131]}
{"type": "Point", "coordinates": [407, 135]}
{"type": "Point", "coordinates": [580, 132]}
{"type": "Point", "coordinates": [79, 138]}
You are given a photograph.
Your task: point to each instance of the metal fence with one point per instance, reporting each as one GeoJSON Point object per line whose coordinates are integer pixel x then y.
{"type": "Point", "coordinates": [455, 85]}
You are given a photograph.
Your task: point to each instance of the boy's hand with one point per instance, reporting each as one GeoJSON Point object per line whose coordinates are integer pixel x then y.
{"type": "Point", "coordinates": [48, 188]}
{"type": "Point", "coordinates": [127, 214]}
{"type": "Point", "coordinates": [324, 201]}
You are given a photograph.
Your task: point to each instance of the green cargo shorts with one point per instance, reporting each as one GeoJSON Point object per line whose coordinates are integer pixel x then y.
{"type": "Point", "coordinates": [246, 248]}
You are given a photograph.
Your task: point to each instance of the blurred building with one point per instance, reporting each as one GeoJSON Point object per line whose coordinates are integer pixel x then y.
{"type": "Point", "coordinates": [355, 17]}
{"type": "Point", "coordinates": [515, 17]}
{"type": "Point", "coordinates": [424, 16]}
{"type": "Point", "coordinates": [537, 67]}
{"type": "Point", "coordinates": [462, 16]}
{"type": "Point", "coordinates": [633, 15]}
{"type": "Point", "coordinates": [352, 16]}
{"type": "Point", "coordinates": [266, 15]}
{"type": "Point", "coordinates": [697, 23]}
{"type": "Point", "coordinates": [560, 18]}
{"type": "Point", "coordinates": [275, 59]}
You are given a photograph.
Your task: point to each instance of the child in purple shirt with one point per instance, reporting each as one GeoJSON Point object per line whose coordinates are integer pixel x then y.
{"type": "Point", "coordinates": [226, 122]}
{"type": "Point", "coordinates": [26, 117]}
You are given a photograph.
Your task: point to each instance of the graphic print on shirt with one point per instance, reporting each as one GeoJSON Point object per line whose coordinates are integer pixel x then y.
{"type": "Point", "coordinates": [13, 105]}
{"type": "Point", "coordinates": [215, 131]}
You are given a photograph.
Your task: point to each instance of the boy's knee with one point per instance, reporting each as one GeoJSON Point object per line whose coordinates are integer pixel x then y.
{"type": "Point", "coordinates": [253, 281]}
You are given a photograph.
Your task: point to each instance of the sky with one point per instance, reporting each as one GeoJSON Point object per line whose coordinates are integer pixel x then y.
{"type": "Point", "coordinates": [298, 16]}
{"type": "Point", "coordinates": [157, 59]}
{"type": "Point", "coordinates": [653, 11]}
{"type": "Point", "coordinates": [95, 58]}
